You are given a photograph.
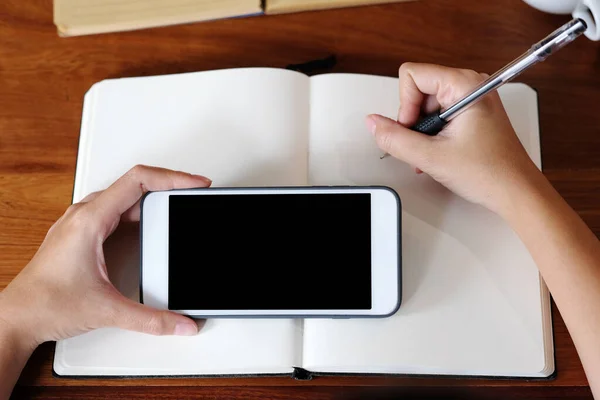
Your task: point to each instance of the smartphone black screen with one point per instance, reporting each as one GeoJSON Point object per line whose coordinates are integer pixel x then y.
{"type": "Point", "coordinates": [270, 251]}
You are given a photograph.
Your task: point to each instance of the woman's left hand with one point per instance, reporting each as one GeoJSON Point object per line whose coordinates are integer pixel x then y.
{"type": "Point", "coordinates": [65, 290]}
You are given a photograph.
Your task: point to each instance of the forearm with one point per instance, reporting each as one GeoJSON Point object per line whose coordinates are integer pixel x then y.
{"type": "Point", "coordinates": [14, 353]}
{"type": "Point", "coordinates": [567, 254]}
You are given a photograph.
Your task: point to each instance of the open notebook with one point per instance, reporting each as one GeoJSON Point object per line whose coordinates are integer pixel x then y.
{"type": "Point", "coordinates": [473, 301]}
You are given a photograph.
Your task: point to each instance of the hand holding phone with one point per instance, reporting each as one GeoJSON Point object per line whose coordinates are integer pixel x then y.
{"type": "Point", "coordinates": [286, 252]}
{"type": "Point", "coordinates": [65, 291]}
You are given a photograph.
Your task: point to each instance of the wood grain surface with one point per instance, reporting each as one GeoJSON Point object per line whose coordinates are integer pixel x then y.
{"type": "Point", "coordinates": [43, 79]}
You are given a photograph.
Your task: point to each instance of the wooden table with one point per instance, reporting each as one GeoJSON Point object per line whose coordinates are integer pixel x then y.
{"type": "Point", "coordinates": [43, 79]}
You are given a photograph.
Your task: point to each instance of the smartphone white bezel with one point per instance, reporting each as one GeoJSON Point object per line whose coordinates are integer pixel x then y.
{"type": "Point", "coordinates": [385, 245]}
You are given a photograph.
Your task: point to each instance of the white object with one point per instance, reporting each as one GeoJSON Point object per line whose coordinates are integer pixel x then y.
{"type": "Point", "coordinates": [384, 214]}
{"type": "Point", "coordinates": [473, 300]}
{"type": "Point", "coordinates": [554, 6]}
{"type": "Point", "coordinates": [588, 10]}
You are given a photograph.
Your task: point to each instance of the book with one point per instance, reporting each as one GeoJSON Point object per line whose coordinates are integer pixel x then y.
{"type": "Point", "coordinates": [286, 6]}
{"type": "Point", "coordinates": [85, 17]}
{"type": "Point", "coordinates": [473, 300]}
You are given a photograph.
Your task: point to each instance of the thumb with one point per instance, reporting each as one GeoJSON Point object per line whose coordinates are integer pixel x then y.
{"type": "Point", "coordinates": [406, 145]}
{"type": "Point", "coordinates": [134, 316]}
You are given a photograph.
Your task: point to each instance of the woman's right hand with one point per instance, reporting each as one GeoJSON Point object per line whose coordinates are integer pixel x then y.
{"type": "Point", "coordinates": [477, 155]}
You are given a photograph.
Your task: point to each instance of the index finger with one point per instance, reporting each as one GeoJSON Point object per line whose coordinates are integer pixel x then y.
{"type": "Point", "coordinates": [128, 189]}
{"type": "Point", "coordinates": [436, 85]}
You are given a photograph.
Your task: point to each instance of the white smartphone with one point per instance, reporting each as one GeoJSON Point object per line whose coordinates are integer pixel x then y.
{"type": "Point", "coordinates": [272, 252]}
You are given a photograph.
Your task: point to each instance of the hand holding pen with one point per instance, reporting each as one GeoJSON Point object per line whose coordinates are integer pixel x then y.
{"type": "Point", "coordinates": [479, 157]}
{"type": "Point", "coordinates": [432, 124]}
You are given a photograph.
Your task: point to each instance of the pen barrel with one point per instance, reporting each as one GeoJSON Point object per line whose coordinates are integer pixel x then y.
{"type": "Point", "coordinates": [430, 125]}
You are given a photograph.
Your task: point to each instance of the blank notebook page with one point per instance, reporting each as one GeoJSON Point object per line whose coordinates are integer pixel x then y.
{"type": "Point", "coordinates": [244, 127]}
{"type": "Point", "coordinates": [473, 300]}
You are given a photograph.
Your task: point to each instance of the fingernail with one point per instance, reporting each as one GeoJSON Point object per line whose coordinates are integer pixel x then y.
{"type": "Point", "coordinates": [371, 124]}
{"type": "Point", "coordinates": [185, 329]}
{"type": "Point", "coordinates": [205, 179]}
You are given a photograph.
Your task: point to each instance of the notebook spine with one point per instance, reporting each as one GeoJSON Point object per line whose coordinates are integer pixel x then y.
{"type": "Point", "coordinates": [301, 374]}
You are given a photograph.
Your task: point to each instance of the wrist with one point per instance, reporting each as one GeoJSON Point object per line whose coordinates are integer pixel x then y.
{"type": "Point", "coordinates": [20, 345]}
{"type": "Point", "coordinates": [15, 346]}
{"type": "Point", "coordinates": [14, 327]}
{"type": "Point", "coordinates": [524, 195]}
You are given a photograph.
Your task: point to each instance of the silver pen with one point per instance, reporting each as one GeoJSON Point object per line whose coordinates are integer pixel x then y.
{"type": "Point", "coordinates": [432, 124]}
